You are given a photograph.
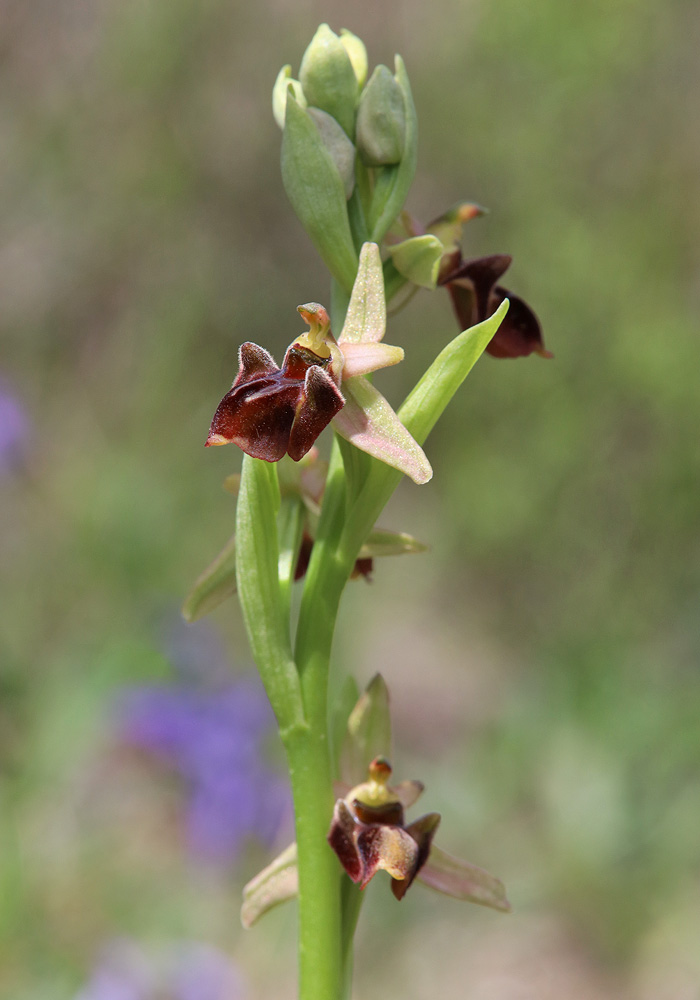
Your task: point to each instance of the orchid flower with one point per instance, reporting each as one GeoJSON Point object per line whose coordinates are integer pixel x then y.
{"type": "Point", "coordinates": [368, 831]}
{"type": "Point", "coordinates": [271, 411]}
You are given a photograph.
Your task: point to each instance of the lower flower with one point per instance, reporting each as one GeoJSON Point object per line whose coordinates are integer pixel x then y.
{"type": "Point", "coordinates": [368, 831]}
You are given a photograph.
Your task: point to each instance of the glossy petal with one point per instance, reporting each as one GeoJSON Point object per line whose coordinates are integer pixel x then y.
{"type": "Point", "coordinates": [254, 361]}
{"type": "Point", "coordinates": [257, 416]}
{"type": "Point", "coordinates": [320, 402]}
{"type": "Point", "coordinates": [368, 421]}
{"type": "Point", "coordinates": [463, 881]}
{"type": "Point", "coordinates": [270, 411]}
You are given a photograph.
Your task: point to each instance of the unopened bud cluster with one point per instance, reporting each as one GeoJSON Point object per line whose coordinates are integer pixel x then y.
{"type": "Point", "coordinates": [348, 148]}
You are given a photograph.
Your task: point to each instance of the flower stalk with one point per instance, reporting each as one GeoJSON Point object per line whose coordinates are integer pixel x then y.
{"type": "Point", "coordinates": [348, 159]}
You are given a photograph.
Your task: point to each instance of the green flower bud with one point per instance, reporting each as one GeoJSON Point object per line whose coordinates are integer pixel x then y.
{"type": "Point", "coordinates": [418, 259]}
{"type": "Point", "coordinates": [317, 193]}
{"type": "Point", "coordinates": [355, 48]}
{"type": "Point", "coordinates": [393, 183]}
{"type": "Point", "coordinates": [381, 120]}
{"type": "Point", "coordinates": [328, 78]}
{"type": "Point", "coordinates": [338, 145]}
{"type": "Point", "coordinates": [279, 94]}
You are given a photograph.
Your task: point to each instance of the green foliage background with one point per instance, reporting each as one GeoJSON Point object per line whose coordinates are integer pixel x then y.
{"type": "Point", "coordinates": [543, 657]}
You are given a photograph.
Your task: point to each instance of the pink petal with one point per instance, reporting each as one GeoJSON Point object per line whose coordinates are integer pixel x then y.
{"type": "Point", "coordinates": [361, 359]}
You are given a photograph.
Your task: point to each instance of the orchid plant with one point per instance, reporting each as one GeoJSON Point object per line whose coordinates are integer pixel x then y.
{"type": "Point", "coordinates": [348, 160]}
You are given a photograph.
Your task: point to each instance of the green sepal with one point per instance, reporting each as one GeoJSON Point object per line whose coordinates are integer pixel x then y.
{"type": "Point", "coordinates": [275, 884]}
{"type": "Point", "coordinates": [280, 91]}
{"type": "Point", "coordinates": [380, 131]}
{"type": "Point", "coordinates": [418, 259]}
{"type": "Point", "coordinates": [317, 193]}
{"type": "Point", "coordinates": [338, 145]}
{"type": "Point", "coordinates": [368, 732]}
{"type": "Point", "coordinates": [213, 585]}
{"type": "Point", "coordinates": [381, 542]}
{"type": "Point", "coordinates": [328, 78]}
{"type": "Point", "coordinates": [393, 183]}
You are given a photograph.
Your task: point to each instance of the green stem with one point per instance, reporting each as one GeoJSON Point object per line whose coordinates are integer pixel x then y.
{"type": "Point", "coordinates": [321, 953]}
{"type": "Point", "coordinates": [320, 957]}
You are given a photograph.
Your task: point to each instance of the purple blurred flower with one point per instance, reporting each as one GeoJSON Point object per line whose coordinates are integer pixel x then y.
{"type": "Point", "coordinates": [14, 431]}
{"type": "Point", "coordinates": [214, 739]}
{"type": "Point", "coordinates": [186, 971]}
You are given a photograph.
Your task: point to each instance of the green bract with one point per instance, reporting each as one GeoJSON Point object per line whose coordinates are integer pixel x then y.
{"type": "Point", "coordinates": [316, 190]}
{"type": "Point", "coordinates": [338, 145]}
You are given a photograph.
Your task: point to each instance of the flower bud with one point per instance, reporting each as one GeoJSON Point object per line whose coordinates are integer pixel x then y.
{"type": "Point", "coordinates": [338, 145]}
{"type": "Point", "coordinates": [355, 48]}
{"type": "Point", "coordinates": [381, 120]}
{"type": "Point", "coordinates": [328, 78]}
{"type": "Point", "coordinates": [279, 94]}
{"type": "Point", "coordinates": [394, 182]}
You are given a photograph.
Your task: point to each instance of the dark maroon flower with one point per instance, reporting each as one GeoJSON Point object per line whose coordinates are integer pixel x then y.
{"type": "Point", "coordinates": [476, 295]}
{"type": "Point", "coordinates": [271, 411]}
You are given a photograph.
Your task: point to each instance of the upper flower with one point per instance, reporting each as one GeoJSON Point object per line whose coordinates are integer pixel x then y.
{"type": "Point", "coordinates": [271, 411]}
{"type": "Point", "coordinates": [476, 294]}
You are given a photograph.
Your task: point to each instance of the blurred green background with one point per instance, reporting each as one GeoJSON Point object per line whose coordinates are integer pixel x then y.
{"type": "Point", "coordinates": [543, 657]}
